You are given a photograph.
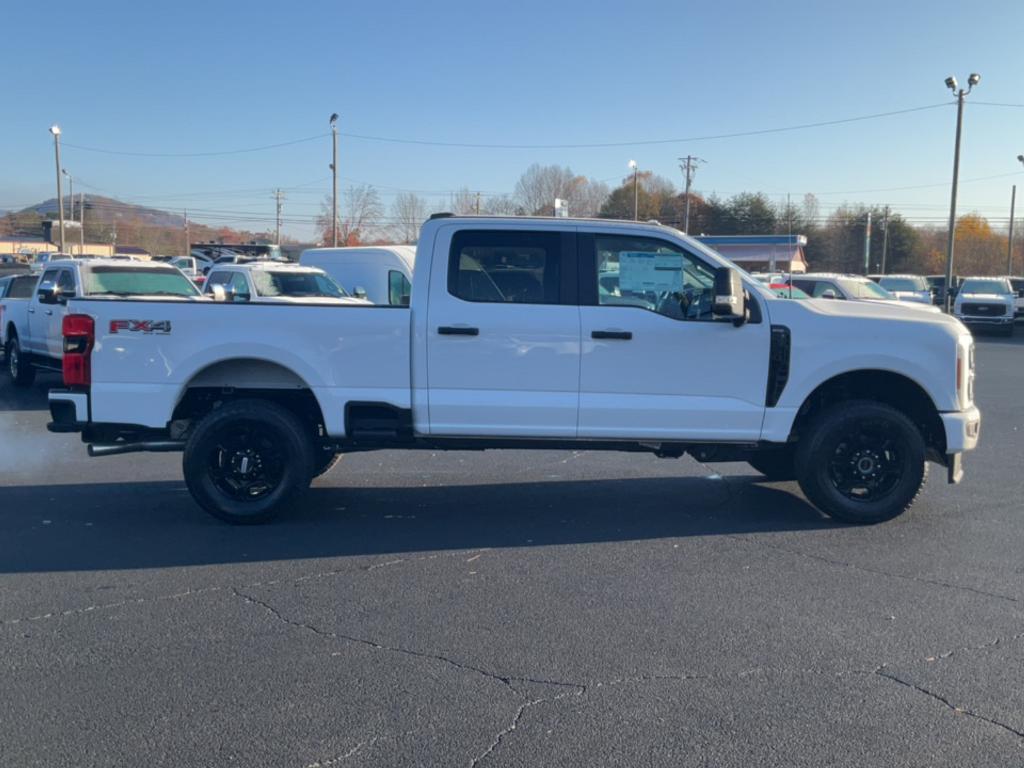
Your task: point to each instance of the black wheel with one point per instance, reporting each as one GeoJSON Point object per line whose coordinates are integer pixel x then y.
{"type": "Point", "coordinates": [861, 462]}
{"type": "Point", "coordinates": [324, 462]}
{"type": "Point", "coordinates": [246, 460]}
{"type": "Point", "coordinates": [23, 373]}
{"type": "Point", "coordinates": [775, 463]}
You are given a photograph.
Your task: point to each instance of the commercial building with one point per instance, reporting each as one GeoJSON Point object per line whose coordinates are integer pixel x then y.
{"type": "Point", "coordinates": [761, 253]}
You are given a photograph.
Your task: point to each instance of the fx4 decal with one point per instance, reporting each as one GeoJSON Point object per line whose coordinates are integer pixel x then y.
{"type": "Point", "coordinates": [140, 326]}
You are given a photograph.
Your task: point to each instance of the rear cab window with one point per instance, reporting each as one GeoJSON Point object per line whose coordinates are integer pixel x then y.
{"type": "Point", "coordinates": [135, 281]}
{"type": "Point", "coordinates": [509, 266]}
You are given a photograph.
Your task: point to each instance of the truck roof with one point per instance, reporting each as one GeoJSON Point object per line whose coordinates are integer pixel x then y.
{"type": "Point", "coordinates": [266, 265]}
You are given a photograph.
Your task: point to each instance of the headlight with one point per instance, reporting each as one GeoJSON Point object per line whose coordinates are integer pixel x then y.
{"type": "Point", "coordinates": [965, 371]}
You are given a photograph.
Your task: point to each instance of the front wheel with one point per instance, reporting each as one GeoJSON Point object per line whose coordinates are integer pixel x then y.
{"type": "Point", "coordinates": [245, 461]}
{"type": "Point", "coordinates": [861, 462]}
{"type": "Point", "coordinates": [23, 373]}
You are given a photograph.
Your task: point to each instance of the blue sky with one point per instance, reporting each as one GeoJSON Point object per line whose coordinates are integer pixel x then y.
{"type": "Point", "coordinates": [206, 77]}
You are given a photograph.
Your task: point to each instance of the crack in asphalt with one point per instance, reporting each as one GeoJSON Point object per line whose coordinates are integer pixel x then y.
{"type": "Point", "coordinates": [947, 703]}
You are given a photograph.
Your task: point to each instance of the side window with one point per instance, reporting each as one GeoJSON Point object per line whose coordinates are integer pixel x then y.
{"type": "Point", "coordinates": [21, 288]}
{"type": "Point", "coordinates": [66, 282]}
{"type": "Point", "coordinates": [216, 278]}
{"type": "Point", "coordinates": [506, 267]}
{"type": "Point", "coordinates": [654, 275]}
{"type": "Point", "coordinates": [399, 289]}
{"type": "Point", "coordinates": [822, 286]}
{"type": "Point", "coordinates": [240, 286]}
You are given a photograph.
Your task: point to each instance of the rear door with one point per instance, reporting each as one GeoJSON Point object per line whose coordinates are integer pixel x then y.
{"type": "Point", "coordinates": [503, 333]}
{"type": "Point", "coordinates": [39, 316]}
{"type": "Point", "coordinates": [655, 364]}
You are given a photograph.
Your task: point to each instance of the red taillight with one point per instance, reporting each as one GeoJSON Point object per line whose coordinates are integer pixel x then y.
{"type": "Point", "coordinates": [79, 333]}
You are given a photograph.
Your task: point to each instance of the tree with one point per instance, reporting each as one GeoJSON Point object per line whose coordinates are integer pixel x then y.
{"type": "Point", "coordinates": [653, 196]}
{"type": "Point", "coordinates": [408, 212]}
{"type": "Point", "coordinates": [539, 185]}
{"type": "Point", "coordinates": [748, 213]}
{"type": "Point", "coordinates": [362, 214]}
{"type": "Point", "coordinates": [502, 205]}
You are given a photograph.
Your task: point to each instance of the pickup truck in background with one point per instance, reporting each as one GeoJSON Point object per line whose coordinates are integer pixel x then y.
{"type": "Point", "coordinates": [31, 328]}
{"type": "Point", "coordinates": [531, 333]}
{"type": "Point", "coordinates": [987, 302]}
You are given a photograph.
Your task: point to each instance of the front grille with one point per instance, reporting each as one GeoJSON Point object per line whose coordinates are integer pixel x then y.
{"type": "Point", "coordinates": [984, 310]}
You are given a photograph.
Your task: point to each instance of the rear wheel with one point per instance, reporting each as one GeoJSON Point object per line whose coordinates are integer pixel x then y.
{"type": "Point", "coordinates": [246, 460]}
{"type": "Point", "coordinates": [861, 462]}
{"type": "Point", "coordinates": [21, 369]}
{"type": "Point", "coordinates": [775, 463]}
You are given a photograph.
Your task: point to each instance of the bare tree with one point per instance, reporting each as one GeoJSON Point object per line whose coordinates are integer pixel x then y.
{"type": "Point", "coordinates": [502, 205]}
{"type": "Point", "coordinates": [465, 201]}
{"type": "Point", "coordinates": [408, 211]}
{"type": "Point", "coordinates": [587, 196]}
{"type": "Point", "coordinates": [538, 187]}
{"type": "Point", "coordinates": [363, 212]}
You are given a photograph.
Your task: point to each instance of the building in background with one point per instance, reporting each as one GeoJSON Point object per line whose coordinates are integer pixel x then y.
{"type": "Point", "coordinates": [25, 248]}
{"type": "Point", "coordinates": [761, 253]}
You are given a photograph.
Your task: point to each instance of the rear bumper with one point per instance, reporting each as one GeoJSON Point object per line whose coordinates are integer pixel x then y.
{"type": "Point", "coordinates": [962, 431]}
{"type": "Point", "coordinates": [69, 411]}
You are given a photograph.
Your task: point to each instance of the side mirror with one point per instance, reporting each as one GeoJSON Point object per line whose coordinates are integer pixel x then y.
{"type": "Point", "coordinates": [730, 301]}
{"type": "Point", "coordinates": [828, 293]}
{"type": "Point", "coordinates": [218, 292]}
{"type": "Point", "coordinates": [48, 293]}
{"type": "Point", "coordinates": [359, 292]}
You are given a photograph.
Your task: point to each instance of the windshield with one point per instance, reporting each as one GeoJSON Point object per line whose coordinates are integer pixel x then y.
{"type": "Point", "coordinates": [904, 283]}
{"type": "Point", "coordinates": [296, 284]}
{"type": "Point", "coordinates": [788, 291]}
{"type": "Point", "coordinates": [132, 281]}
{"type": "Point", "coordinates": [985, 286]}
{"type": "Point", "coordinates": [865, 289]}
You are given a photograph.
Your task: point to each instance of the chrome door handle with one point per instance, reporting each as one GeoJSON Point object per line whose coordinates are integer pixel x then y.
{"type": "Point", "coordinates": [32, 310]}
{"type": "Point", "coordinates": [49, 311]}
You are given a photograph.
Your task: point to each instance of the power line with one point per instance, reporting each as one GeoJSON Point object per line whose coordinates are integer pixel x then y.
{"type": "Point", "coordinates": [196, 154]}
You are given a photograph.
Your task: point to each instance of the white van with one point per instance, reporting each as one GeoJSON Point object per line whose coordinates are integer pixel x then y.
{"type": "Point", "coordinates": [380, 273]}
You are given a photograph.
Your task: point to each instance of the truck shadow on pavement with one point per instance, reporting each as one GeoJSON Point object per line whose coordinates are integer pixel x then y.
{"type": "Point", "coordinates": [33, 398]}
{"type": "Point", "coordinates": [156, 525]}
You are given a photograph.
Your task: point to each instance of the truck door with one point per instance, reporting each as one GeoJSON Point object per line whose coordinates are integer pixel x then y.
{"type": "Point", "coordinates": [654, 362]}
{"type": "Point", "coordinates": [54, 341]}
{"type": "Point", "coordinates": [503, 333]}
{"type": "Point", "coordinates": [39, 316]}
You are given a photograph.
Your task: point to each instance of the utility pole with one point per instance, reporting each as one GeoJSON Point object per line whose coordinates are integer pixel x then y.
{"type": "Point", "coordinates": [885, 238]}
{"type": "Point", "coordinates": [688, 171]}
{"type": "Point", "coordinates": [1009, 243]}
{"type": "Point", "coordinates": [188, 243]}
{"type": "Point", "coordinates": [636, 192]}
{"type": "Point", "coordinates": [55, 130]}
{"type": "Point", "coordinates": [972, 81]}
{"type": "Point", "coordinates": [81, 221]}
{"type": "Point", "coordinates": [477, 203]}
{"type": "Point", "coordinates": [334, 178]}
{"type": "Point", "coordinates": [278, 196]}
{"type": "Point", "coordinates": [867, 245]}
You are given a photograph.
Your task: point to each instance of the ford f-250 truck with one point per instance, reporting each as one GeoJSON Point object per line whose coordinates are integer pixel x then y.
{"type": "Point", "coordinates": [532, 333]}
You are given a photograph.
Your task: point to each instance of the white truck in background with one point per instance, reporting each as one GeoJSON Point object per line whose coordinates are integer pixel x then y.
{"type": "Point", "coordinates": [510, 341]}
{"type": "Point", "coordinates": [31, 328]}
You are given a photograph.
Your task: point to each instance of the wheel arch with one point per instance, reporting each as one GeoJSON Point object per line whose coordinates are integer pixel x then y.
{"type": "Point", "coordinates": [895, 389]}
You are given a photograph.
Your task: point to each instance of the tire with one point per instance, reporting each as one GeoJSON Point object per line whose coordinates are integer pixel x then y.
{"type": "Point", "coordinates": [861, 462]}
{"type": "Point", "coordinates": [324, 462]}
{"type": "Point", "coordinates": [246, 460]}
{"type": "Point", "coordinates": [1007, 330]}
{"type": "Point", "coordinates": [22, 372]}
{"type": "Point", "coordinates": [778, 464]}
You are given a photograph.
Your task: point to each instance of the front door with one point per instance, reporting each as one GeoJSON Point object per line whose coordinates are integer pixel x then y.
{"type": "Point", "coordinates": [55, 318]}
{"type": "Point", "coordinates": [503, 334]}
{"type": "Point", "coordinates": [655, 364]}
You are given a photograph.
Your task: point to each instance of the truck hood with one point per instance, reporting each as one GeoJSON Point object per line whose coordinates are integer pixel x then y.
{"type": "Point", "coordinates": [917, 306]}
{"type": "Point", "coordinates": [868, 312]}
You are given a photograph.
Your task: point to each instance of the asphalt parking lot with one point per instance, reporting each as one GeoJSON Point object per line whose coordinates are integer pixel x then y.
{"type": "Point", "coordinates": [509, 609]}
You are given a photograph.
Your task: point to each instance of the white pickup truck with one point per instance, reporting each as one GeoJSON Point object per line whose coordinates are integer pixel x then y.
{"type": "Point", "coordinates": [532, 333]}
{"type": "Point", "coordinates": [31, 329]}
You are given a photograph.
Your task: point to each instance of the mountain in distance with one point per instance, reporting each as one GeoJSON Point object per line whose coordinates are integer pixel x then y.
{"type": "Point", "coordinates": [105, 209]}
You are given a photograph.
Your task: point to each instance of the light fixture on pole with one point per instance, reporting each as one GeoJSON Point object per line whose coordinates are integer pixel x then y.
{"type": "Point", "coordinates": [636, 193]}
{"type": "Point", "coordinates": [55, 130]}
{"type": "Point", "coordinates": [951, 83]}
{"type": "Point", "coordinates": [334, 179]}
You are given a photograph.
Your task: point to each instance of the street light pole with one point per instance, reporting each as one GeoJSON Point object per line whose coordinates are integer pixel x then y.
{"type": "Point", "coordinates": [334, 180]}
{"type": "Point", "coordinates": [636, 192]}
{"type": "Point", "coordinates": [972, 81]}
{"type": "Point", "coordinates": [55, 130]}
{"type": "Point", "coordinates": [1009, 246]}
{"type": "Point", "coordinates": [71, 194]}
